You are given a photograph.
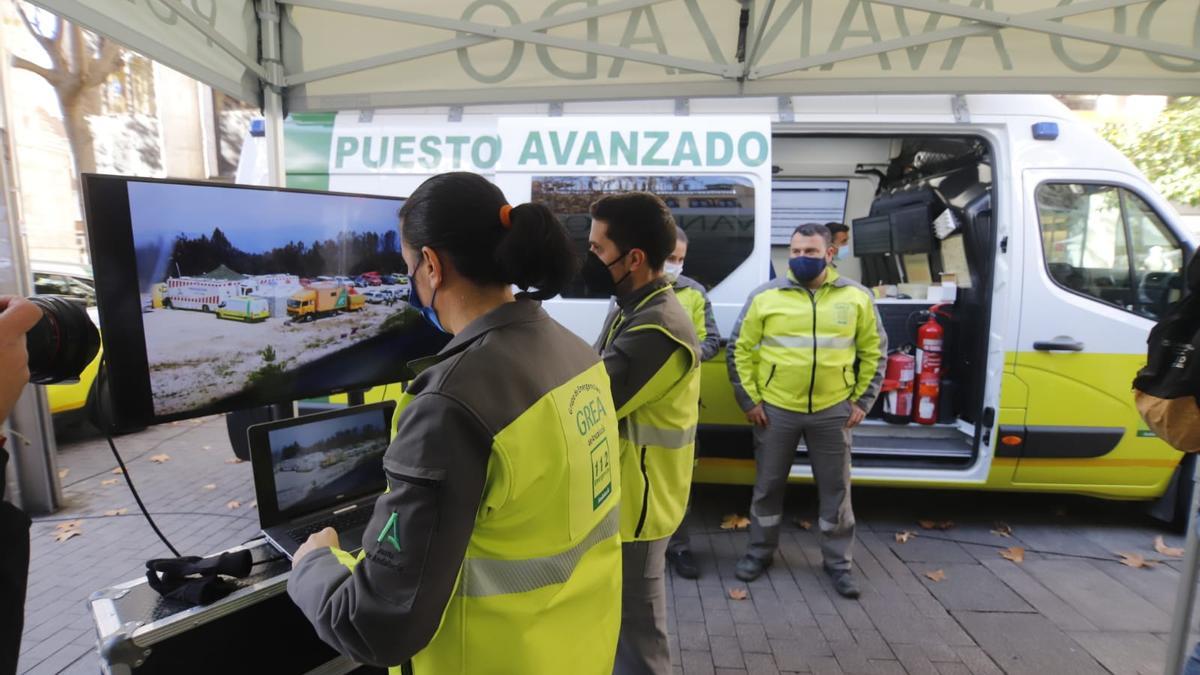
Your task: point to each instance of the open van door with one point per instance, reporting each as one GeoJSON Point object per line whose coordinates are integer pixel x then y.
{"type": "Point", "coordinates": [1101, 264]}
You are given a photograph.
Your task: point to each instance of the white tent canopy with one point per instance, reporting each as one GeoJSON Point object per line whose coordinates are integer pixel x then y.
{"type": "Point", "coordinates": [363, 54]}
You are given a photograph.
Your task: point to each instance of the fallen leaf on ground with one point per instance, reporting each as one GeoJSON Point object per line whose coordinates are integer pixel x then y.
{"type": "Point", "coordinates": [738, 593]}
{"type": "Point", "coordinates": [735, 522]}
{"type": "Point", "coordinates": [64, 535]}
{"type": "Point", "coordinates": [110, 481]}
{"type": "Point", "coordinates": [234, 460]}
{"type": "Point", "coordinates": [1002, 530]}
{"type": "Point", "coordinates": [1163, 549]}
{"type": "Point", "coordinates": [802, 523]}
{"type": "Point", "coordinates": [63, 474]}
{"type": "Point", "coordinates": [1013, 553]}
{"type": "Point", "coordinates": [208, 447]}
{"type": "Point", "coordinates": [936, 575]}
{"type": "Point", "coordinates": [903, 537]}
{"type": "Point", "coordinates": [116, 512]}
{"type": "Point", "coordinates": [117, 471]}
{"type": "Point", "coordinates": [69, 525]}
{"type": "Point", "coordinates": [1135, 560]}
{"type": "Point", "coordinates": [210, 487]}
{"type": "Point", "coordinates": [232, 504]}
{"type": "Point", "coordinates": [936, 524]}
{"type": "Point", "coordinates": [159, 459]}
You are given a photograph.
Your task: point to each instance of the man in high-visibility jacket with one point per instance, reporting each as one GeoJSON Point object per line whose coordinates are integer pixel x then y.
{"type": "Point", "coordinates": [694, 299]}
{"type": "Point", "coordinates": [806, 360]}
{"type": "Point", "coordinates": [650, 351]}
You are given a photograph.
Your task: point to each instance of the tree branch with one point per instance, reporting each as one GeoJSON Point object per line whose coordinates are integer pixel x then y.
{"type": "Point", "coordinates": [105, 64]}
{"type": "Point", "coordinates": [51, 76]}
{"type": "Point", "coordinates": [52, 44]}
{"type": "Point", "coordinates": [44, 41]}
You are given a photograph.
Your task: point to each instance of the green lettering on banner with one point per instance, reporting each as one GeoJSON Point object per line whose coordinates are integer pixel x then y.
{"type": "Point", "coordinates": [400, 148]}
{"type": "Point", "coordinates": [370, 162]}
{"type": "Point", "coordinates": [593, 34]}
{"type": "Point", "coordinates": [721, 158]}
{"type": "Point", "coordinates": [534, 149]}
{"type": "Point", "coordinates": [562, 154]}
{"type": "Point", "coordinates": [591, 150]}
{"type": "Point", "coordinates": [651, 158]}
{"type": "Point", "coordinates": [630, 38]}
{"type": "Point", "coordinates": [430, 146]}
{"type": "Point", "coordinates": [763, 148]}
{"type": "Point", "coordinates": [476, 156]}
{"type": "Point", "coordinates": [457, 142]}
{"type": "Point", "coordinates": [627, 148]}
{"type": "Point", "coordinates": [843, 31]}
{"type": "Point", "coordinates": [347, 146]}
{"type": "Point", "coordinates": [686, 150]}
{"type": "Point", "coordinates": [956, 44]}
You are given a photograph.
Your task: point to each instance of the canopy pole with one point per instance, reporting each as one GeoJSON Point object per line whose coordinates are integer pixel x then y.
{"type": "Point", "coordinates": [268, 15]}
{"type": "Point", "coordinates": [1186, 596]}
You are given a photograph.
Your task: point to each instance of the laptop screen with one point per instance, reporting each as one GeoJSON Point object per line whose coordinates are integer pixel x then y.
{"type": "Point", "coordinates": [333, 458]}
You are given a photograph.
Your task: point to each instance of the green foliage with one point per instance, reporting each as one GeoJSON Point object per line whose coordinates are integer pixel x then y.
{"type": "Point", "coordinates": [267, 353]}
{"type": "Point", "coordinates": [1167, 150]}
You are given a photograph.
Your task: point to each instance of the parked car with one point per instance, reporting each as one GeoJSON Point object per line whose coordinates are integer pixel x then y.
{"type": "Point", "coordinates": [402, 287]}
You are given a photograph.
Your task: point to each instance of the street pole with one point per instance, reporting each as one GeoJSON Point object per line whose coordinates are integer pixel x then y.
{"type": "Point", "coordinates": [1186, 597]}
{"type": "Point", "coordinates": [272, 60]}
{"type": "Point", "coordinates": [35, 485]}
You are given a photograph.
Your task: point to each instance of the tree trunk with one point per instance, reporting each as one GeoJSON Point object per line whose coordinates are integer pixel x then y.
{"type": "Point", "coordinates": [79, 135]}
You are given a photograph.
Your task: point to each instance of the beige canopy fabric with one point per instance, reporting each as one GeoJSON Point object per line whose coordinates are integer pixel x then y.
{"type": "Point", "coordinates": [324, 55]}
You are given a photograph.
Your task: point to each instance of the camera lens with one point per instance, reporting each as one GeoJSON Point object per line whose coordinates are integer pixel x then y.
{"type": "Point", "coordinates": [62, 343]}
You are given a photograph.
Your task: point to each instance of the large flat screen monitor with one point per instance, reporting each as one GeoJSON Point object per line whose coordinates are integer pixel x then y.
{"type": "Point", "coordinates": [872, 235]}
{"type": "Point", "coordinates": [219, 297]}
{"type": "Point", "coordinates": [912, 229]}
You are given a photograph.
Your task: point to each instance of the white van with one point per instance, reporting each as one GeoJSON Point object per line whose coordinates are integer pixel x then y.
{"type": "Point", "coordinates": [1061, 252]}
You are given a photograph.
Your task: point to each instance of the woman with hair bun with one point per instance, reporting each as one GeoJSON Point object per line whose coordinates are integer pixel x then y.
{"type": "Point", "coordinates": [495, 548]}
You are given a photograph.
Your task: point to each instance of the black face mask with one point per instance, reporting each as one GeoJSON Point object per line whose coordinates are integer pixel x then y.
{"type": "Point", "coordinates": [596, 276]}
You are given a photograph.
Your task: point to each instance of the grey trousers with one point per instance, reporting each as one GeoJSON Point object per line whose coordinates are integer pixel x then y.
{"type": "Point", "coordinates": [828, 441]}
{"type": "Point", "coordinates": [643, 648]}
{"type": "Point", "coordinates": [681, 541]}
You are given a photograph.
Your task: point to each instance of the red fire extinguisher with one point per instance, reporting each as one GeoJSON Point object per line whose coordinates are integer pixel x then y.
{"type": "Point", "coordinates": [930, 340]}
{"type": "Point", "coordinates": [930, 344]}
{"type": "Point", "coordinates": [898, 385]}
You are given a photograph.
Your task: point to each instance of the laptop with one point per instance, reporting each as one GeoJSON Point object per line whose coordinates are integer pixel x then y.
{"type": "Point", "coordinates": [318, 471]}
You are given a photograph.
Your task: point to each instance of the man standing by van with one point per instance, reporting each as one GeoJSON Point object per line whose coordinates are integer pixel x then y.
{"type": "Point", "coordinates": [694, 299]}
{"type": "Point", "coordinates": [806, 361]}
{"type": "Point", "coordinates": [651, 353]}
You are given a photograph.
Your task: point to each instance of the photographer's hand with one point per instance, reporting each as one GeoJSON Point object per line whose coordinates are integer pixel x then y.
{"type": "Point", "coordinates": [16, 318]}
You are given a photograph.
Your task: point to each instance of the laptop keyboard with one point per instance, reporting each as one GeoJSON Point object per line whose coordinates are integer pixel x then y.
{"type": "Point", "coordinates": [343, 522]}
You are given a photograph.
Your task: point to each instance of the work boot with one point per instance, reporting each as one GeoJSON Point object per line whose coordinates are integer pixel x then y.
{"type": "Point", "coordinates": [684, 564]}
{"type": "Point", "coordinates": [750, 568]}
{"type": "Point", "coordinates": [843, 583]}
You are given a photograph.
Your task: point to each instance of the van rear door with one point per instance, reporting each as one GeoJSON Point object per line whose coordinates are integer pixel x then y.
{"type": "Point", "coordinates": [1101, 265]}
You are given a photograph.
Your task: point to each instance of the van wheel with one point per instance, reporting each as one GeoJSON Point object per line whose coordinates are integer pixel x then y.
{"type": "Point", "coordinates": [204, 308]}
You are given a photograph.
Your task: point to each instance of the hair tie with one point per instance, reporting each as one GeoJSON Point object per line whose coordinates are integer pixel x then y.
{"type": "Point", "coordinates": [505, 219]}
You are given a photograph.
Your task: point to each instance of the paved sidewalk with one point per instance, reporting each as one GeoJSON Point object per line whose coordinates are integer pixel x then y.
{"type": "Point", "coordinates": [1070, 607]}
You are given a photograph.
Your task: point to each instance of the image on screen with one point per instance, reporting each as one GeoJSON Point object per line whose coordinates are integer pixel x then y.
{"type": "Point", "coordinates": [242, 289]}
{"type": "Point", "coordinates": [317, 464]}
{"type": "Point", "coordinates": [715, 212]}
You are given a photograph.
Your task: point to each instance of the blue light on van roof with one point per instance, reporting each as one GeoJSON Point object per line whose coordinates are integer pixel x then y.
{"type": "Point", "coordinates": [258, 127]}
{"type": "Point", "coordinates": [1045, 131]}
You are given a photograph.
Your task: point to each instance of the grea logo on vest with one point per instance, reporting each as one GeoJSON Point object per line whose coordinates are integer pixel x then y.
{"type": "Point", "coordinates": [591, 419]}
